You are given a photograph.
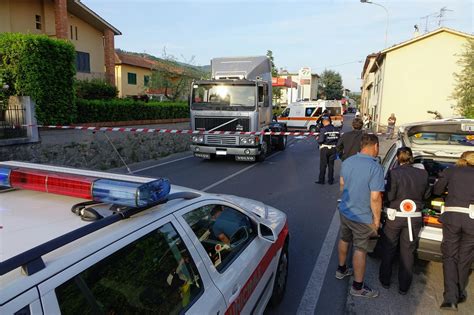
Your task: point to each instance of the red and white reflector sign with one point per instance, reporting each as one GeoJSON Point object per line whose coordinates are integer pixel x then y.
{"type": "Point", "coordinates": [408, 206]}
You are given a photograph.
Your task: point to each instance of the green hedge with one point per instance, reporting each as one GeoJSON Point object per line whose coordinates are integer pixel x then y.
{"type": "Point", "coordinates": [43, 68]}
{"type": "Point", "coordinates": [127, 110]}
{"type": "Point", "coordinates": [95, 89]}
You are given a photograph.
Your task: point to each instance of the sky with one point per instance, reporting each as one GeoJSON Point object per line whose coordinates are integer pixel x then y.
{"type": "Point", "coordinates": [320, 34]}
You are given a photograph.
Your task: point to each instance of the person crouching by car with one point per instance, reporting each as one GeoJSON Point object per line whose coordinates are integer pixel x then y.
{"type": "Point", "coordinates": [403, 182]}
{"type": "Point", "coordinates": [457, 246]}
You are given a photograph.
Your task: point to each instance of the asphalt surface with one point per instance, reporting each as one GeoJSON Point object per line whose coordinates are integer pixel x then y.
{"type": "Point", "coordinates": [285, 180]}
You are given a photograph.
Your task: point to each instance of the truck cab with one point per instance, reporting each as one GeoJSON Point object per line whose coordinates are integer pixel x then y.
{"type": "Point", "coordinates": [231, 107]}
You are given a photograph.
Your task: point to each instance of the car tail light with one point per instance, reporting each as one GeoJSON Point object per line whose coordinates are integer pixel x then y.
{"type": "Point", "coordinates": [124, 193]}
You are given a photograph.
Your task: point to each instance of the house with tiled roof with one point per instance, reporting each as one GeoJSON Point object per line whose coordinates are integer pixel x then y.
{"type": "Point", "coordinates": [413, 77]}
{"type": "Point", "coordinates": [133, 74]}
{"type": "Point", "coordinates": [91, 35]}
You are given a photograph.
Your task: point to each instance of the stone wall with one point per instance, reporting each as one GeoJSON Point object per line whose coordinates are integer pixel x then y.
{"type": "Point", "coordinates": [97, 153]}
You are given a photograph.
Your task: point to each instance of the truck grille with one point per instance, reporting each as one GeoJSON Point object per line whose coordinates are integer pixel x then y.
{"type": "Point", "coordinates": [222, 140]}
{"type": "Point", "coordinates": [208, 123]}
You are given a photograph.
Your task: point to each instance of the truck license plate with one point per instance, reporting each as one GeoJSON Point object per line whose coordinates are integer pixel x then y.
{"type": "Point", "coordinates": [221, 152]}
{"type": "Point", "coordinates": [248, 158]}
{"type": "Point", "coordinates": [203, 155]}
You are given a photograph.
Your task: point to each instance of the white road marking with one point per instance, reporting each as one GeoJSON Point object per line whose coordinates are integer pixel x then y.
{"type": "Point", "coordinates": [161, 164]}
{"type": "Point", "coordinates": [313, 288]}
{"type": "Point", "coordinates": [236, 173]}
{"type": "Point", "coordinates": [292, 145]}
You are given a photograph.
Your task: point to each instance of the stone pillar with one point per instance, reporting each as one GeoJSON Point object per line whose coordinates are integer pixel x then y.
{"type": "Point", "coordinates": [60, 18]}
{"type": "Point", "coordinates": [30, 118]}
{"type": "Point", "coordinates": [109, 54]}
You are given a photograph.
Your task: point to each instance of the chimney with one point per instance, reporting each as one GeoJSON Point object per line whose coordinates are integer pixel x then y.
{"type": "Point", "coordinates": [109, 56]}
{"type": "Point", "coordinates": [60, 18]}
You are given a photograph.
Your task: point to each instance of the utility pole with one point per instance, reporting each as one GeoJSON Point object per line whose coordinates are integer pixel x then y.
{"type": "Point", "coordinates": [388, 17]}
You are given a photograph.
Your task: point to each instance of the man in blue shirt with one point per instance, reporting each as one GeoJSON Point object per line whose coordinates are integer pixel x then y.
{"type": "Point", "coordinates": [227, 222]}
{"type": "Point", "coordinates": [362, 184]}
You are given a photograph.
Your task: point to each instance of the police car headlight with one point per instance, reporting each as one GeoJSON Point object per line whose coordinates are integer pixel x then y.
{"type": "Point", "coordinates": [198, 139]}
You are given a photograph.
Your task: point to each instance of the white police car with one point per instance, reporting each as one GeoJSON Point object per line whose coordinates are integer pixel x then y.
{"type": "Point", "coordinates": [78, 242]}
{"type": "Point", "coordinates": [436, 145]}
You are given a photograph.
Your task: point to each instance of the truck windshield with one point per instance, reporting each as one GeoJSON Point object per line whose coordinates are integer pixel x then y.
{"type": "Point", "coordinates": [223, 97]}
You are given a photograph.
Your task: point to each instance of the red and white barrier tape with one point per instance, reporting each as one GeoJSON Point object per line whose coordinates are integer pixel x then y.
{"type": "Point", "coordinates": [183, 131]}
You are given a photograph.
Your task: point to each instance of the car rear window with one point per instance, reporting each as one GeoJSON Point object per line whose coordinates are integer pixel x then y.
{"type": "Point", "coordinates": [335, 111]}
{"type": "Point", "coordinates": [432, 138]}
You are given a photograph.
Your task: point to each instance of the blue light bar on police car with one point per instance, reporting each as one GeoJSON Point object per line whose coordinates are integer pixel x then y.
{"type": "Point", "coordinates": [5, 177]}
{"type": "Point", "coordinates": [129, 193]}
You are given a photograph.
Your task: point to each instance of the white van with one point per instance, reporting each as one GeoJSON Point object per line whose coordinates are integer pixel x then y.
{"type": "Point", "coordinates": [304, 115]}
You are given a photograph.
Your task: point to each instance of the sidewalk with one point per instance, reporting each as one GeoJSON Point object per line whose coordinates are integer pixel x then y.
{"type": "Point", "coordinates": [426, 292]}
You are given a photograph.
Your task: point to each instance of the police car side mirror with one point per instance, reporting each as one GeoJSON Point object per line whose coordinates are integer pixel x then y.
{"type": "Point", "coordinates": [266, 233]}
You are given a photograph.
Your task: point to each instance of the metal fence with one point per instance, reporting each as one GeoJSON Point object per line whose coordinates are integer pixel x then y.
{"type": "Point", "coordinates": [12, 119]}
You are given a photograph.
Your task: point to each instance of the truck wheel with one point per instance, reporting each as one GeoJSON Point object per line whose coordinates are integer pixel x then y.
{"type": "Point", "coordinates": [281, 277]}
{"type": "Point", "coordinates": [263, 154]}
{"type": "Point", "coordinates": [282, 143]}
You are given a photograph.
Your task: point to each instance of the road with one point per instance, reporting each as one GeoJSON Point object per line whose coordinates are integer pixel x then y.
{"type": "Point", "coordinates": [285, 180]}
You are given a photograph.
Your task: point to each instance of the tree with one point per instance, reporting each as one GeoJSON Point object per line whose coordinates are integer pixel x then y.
{"type": "Point", "coordinates": [464, 90]}
{"type": "Point", "coordinates": [330, 85]}
{"type": "Point", "coordinates": [173, 78]}
{"type": "Point", "coordinates": [276, 91]}
{"type": "Point", "coordinates": [355, 97]}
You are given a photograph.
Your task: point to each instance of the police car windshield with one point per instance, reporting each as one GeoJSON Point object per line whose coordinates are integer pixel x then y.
{"type": "Point", "coordinates": [223, 97]}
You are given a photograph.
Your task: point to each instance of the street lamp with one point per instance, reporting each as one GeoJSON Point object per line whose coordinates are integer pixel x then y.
{"type": "Point", "coordinates": [388, 17]}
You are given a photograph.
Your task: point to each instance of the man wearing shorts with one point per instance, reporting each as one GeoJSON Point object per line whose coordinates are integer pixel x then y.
{"type": "Point", "coordinates": [362, 184]}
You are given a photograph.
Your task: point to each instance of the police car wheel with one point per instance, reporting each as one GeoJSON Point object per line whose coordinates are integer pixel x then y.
{"type": "Point", "coordinates": [282, 143]}
{"type": "Point", "coordinates": [281, 278]}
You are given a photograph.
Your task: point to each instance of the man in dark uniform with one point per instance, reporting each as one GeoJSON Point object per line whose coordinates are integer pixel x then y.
{"type": "Point", "coordinates": [457, 246]}
{"type": "Point", "coordinates": [328, 137]}
{"type": "Point", "coordinates": [349, 143]}
{"type": "Point", "coordinates": [403, 182]}
{"type": "Point", "coordinates": [325, 113]}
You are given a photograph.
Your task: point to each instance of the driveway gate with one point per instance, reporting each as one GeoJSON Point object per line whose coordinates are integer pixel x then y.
{"type": "Point", "coordinates": [12, 119]}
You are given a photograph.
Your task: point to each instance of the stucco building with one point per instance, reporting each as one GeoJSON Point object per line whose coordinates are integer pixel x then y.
{"type": "Point", "coordinates": [413, 77]}
{"type": "Point", "coordinates": [91, 35]}
{"type": "Point", "coordinates": [132, 74]}
{"type": "Point", "coordinates": [302, 88]}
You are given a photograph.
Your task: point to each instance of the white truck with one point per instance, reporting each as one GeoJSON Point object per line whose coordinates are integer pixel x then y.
{"type": "Point", "coordinates": [238, 98]}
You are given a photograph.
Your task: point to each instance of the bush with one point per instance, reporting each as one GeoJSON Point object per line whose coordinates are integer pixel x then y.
{"type": "Point", "coordinates": [43, 68]}
{"type": "Point", "coordinates": [95, 89]}
{"type": "Point", "coordinates": [127, 110]}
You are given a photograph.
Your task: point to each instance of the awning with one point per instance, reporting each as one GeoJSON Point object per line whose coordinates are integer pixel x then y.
{"type": "Point", "coordinates": [284, 82]}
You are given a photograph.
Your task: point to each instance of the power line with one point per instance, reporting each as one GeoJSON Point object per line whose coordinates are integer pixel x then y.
{"type": "Point", "coordinates": [341, 64]}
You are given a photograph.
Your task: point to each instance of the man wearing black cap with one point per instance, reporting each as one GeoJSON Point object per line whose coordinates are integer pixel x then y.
{"type": "Point", "coordinates": [328, 137]}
